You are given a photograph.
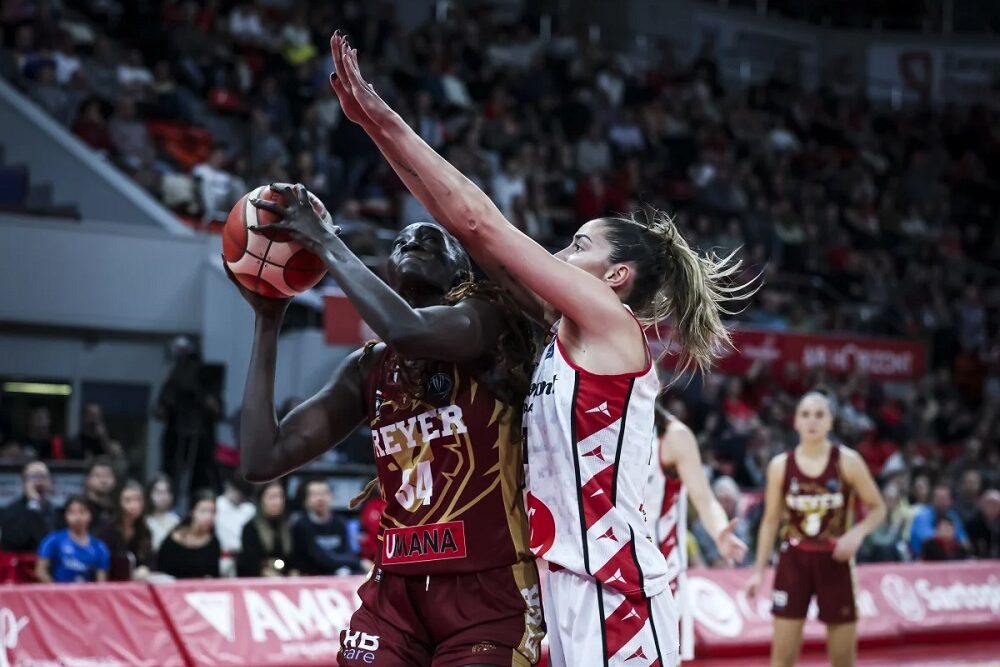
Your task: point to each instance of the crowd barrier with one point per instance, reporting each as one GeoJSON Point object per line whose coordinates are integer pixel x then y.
{"type": "Point", "coordinates": [297, 622]}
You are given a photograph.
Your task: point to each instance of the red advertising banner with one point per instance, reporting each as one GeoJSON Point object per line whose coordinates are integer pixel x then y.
{"type": "Point", "coordinates": [880, 358]}
{"type": "Point", "coordinates": [896, 602]}
{"type": "Point", "coordinates": [111, 625]}
{"type": "Point", "coordinates": [262, 622]}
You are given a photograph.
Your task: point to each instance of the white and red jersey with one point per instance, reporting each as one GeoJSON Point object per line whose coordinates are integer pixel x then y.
{"type": "Point", "coordinates": [589, 443]}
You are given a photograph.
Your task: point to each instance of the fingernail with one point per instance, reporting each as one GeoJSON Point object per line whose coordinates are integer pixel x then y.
{"type": "Point", "coordinates": [333, 76]}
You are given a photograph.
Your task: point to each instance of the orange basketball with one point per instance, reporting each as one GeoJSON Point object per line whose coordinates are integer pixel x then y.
{"type": "Point", "coordinates": [276, 268]}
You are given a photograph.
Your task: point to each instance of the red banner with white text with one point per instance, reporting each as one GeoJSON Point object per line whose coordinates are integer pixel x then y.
{"type": "Point", "coordinates": [879, 358]}
{"type": "Point", "coordinates": [896, 603]}
{"type": "Point", "coordinates": [262, 622]}
{"type": "Point", "coordinates": [111, 625]}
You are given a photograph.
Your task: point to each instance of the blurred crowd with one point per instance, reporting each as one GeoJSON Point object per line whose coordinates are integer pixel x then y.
{"type": "Point", "coordinates": [119, 530]}
{"type": "Point", "coordinates": [862, 219]}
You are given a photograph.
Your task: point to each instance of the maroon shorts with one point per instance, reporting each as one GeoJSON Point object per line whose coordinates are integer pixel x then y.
{"type": "Point", "coordinates": [482, 618]}
{"type": "Point", "coordinates": [803, 573]}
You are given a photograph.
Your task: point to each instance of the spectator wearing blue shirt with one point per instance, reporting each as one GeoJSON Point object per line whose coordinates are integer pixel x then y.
{"type": "Point", "coordinates": [73, 555]}
{"type": "Point", "coordinates": [925, 520]}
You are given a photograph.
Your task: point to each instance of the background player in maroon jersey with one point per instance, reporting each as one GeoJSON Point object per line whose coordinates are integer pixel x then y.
{"type": "Point", "coordinates": [455, 584]}
{"type": "Point", "coordinates": [812, 488]}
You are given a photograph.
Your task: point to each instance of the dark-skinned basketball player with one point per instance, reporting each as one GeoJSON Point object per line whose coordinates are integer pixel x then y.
{"type": "Point", "coordinates": [454, 583]}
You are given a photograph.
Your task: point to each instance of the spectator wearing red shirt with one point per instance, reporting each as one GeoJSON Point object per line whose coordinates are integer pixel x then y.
{"type": "Point", "coordinates": [92, 127]}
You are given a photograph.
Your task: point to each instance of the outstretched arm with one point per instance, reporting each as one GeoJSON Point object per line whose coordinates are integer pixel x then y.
{"type": "Point", "coordinates": [463, 332]}
{"type": "Point", "coordinates": [508, 255]}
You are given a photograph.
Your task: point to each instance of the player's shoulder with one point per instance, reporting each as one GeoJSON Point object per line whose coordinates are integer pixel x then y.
{"type": "Point", "coordinates": [365, 359]}
{"type": "Point", "coordinates": [677, 427]}
{"type": "Point", "coordinates": [777, 463]}
{"type": "Point", "coordinates": [850, 459]}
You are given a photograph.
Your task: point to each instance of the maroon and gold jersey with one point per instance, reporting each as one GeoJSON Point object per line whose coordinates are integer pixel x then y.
{"type": "Point", "coordinates": [817, 509]}
{"type": "Point", "coordinates": [449, 470]}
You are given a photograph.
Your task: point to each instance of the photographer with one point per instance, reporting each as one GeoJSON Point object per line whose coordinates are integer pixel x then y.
{"type": "Point", "coordinates": [189, 405]}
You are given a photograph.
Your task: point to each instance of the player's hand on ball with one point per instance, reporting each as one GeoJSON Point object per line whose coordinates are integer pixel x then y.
{"type": "Point", "coordinates": [262, 305]}
{"type": "Point", "coordinates": [731, 547]}
{"type": "Point", "coordinates": [847, 546]}
{"type": "Point", "coordinates": [360, 102]}
{"type": "Point", "coordinates": [299, 218]}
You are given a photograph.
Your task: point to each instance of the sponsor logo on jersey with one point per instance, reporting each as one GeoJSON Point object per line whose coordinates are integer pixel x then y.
{"type": "Point", "coordinates": [420, 544]}
{"type": "Point", "coordinates": [439, 386]}
{"type": "Point", "coordinates": [833, 485]}
{"type": "Point", "coordinates": [359, 646]}
{"type": "Point", "coordinates": [419, 429]}
{"type": "Point", "coordinates": [543, 388]}
{"type": "Point", "coordinates": [815, 502]}
{"type": "Point", "coordinates": [550, 350]}
{"type": "Point", "coordinates": [793, 485]}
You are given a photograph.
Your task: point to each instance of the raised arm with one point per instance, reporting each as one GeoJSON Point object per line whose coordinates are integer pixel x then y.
{"type": "Point", "coordinates": [268, 449]}
{"type": "Point", "coordinates": [508, 255]}
{"type": "Point", "coordinates": [463, 332]}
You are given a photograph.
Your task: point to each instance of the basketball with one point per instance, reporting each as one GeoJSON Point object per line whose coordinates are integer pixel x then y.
{"type": "Point", "coordinates": [276, 268]}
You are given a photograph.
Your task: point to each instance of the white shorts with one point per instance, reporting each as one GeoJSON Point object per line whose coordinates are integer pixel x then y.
{"type": "Point", "coordinates": [590, 625]}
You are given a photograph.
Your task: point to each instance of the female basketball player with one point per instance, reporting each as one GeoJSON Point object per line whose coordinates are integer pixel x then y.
{"type": "Point", "coordinates": [589, 411]}
{"type": "Point", "coordinates": [666, 501]}
{"type": "Point", "coordinates": [813, 486]}
{"type": "Point", "coordinates": [454, 583]}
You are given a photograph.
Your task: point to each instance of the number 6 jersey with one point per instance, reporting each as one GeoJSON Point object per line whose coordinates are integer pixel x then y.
{"type": "Point", "coordinates": [448, 469]}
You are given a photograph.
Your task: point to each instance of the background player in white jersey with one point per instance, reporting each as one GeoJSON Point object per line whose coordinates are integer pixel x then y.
{"type": "Point", "coordinates": [589, 414]}
{"type": "Point", "coordinates": [666, 502]}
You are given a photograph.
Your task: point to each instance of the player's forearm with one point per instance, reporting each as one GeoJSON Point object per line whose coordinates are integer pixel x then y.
{"type": "Point", "coordinates": [258, 426]}
{"type": "Point", "coordinates": [875, 516]}
{"type": "Point", "coordinates": [387, 313]}
{"type": "Point", "coordinates": [765, 543]}
{"type": "Point", "coordinates": [467, 212]}
{"type": "Point", "coordinates": [713, 517]}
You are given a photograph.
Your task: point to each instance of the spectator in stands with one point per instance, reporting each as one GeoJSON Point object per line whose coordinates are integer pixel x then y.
{"type": "Point", "coordinates": [93, 440]}
{"type": "Point", "coordinates": [134, 77]}
{"type": "Point", "coordinates": [92, 128]}
{"type": "Point", "coordinates": [267, 539]}
{"type": "Point", "coordinates": [970, 486]}
{"type": "Point", "coordinates": [39, 442]}
{"type": "Point", "coordinates": [73, 554]}
{"type": "Point", "coordinates": [943, 544]}
{"type": "Point", "coordinates": [268, 147]}
{"type": "Point", "coordinates": [320, 540]}
{"type": "Point", "coordinates": [130, 137]}
{"type": "Point", "coordinates": [984, 527]}
{"type": "Point", "coordinates": [886, 543]}
{"type": "Point", "coordinates": [215, 184]}
{"type": "Point", "coordinates": [98, 488]}
{"type": "Point", "coordinates": [925, 522]}
{"type": "Point", "coordinates": [127, 535]}
{"type": "Point", "coordinates": [727, 492]}
{"type": "Point", "coordinates": [161, 517]}
{"type": "Point", "coordinates": [192, 551]}
{"type": "Point", "coordinates": [27, 520]}
{"type": "Point", "coordinates": [233, 510]}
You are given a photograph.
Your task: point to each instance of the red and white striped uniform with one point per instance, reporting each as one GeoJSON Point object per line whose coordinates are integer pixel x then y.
{"type": "Point", "coordinates": [666, 499]}
{"type": "Point", "coordinates": [589, 448]}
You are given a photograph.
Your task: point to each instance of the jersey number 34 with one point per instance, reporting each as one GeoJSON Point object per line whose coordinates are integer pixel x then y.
{"type": "Point", "coordinates": [417, 487]}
